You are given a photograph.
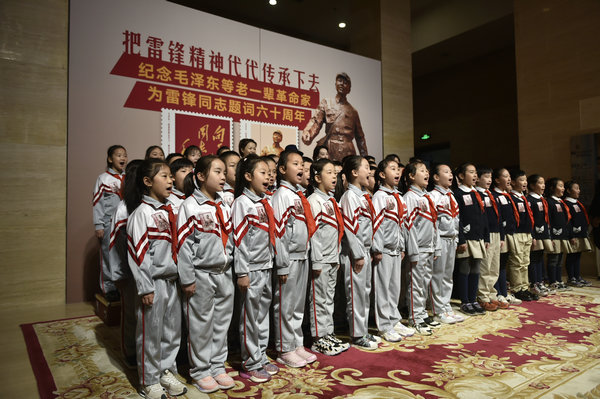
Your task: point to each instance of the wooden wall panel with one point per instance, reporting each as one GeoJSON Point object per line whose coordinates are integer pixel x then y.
{"type": "Point", "coordinates": [558, 66]}
{"type": "Point", "coordinates": [33, 100]}
{"type": "Point", "coordinates": [396, 79]}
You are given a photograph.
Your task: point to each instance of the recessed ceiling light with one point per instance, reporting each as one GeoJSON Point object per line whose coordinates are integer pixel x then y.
{"type": "Point", "coordinates": [273, 2]}
{"type": "Point", "coordinates": [342, 25]}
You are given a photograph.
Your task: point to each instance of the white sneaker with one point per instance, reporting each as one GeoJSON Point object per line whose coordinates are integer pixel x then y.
{"type": "Point", "coordinates": [513, 300]}
{"type": "Point", "coordinates": [502, 299]}
{"type": "Point", "coordinates": [155, 391]}
{"type": "Point", "coordinates": [423, 329]}
{"type": "Point", "coordinates": [457, 317]}
{"type": "Point", "coordinates": [444, 318]}
{"type": "Point", "coordinates": [173, 386]}
{"type": "Point", "coordinates": [403, 330]}
{"type": "Point", "coordinates": [391, 336]}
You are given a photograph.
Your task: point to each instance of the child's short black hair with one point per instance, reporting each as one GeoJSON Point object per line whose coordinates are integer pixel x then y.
{"type": "Point", "coordinates": [180, 164]}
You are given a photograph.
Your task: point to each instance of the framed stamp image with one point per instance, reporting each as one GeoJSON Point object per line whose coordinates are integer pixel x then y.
{"type": "Point", "coordinates": [181, 129]}
{"type": "Point", "coordinates": [270, 138]}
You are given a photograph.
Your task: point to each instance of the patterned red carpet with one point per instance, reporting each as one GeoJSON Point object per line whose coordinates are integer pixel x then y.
{"type": "Point", "coordinates": [549, 348]}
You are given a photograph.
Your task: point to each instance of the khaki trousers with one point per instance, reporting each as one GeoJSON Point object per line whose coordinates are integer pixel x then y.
{"type": "Point", "coordinates": [519, 245]}
{"type": "Point", "coordinates": [489, 270]}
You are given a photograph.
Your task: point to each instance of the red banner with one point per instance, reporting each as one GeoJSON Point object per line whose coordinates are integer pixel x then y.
{"type": "Point", "coordinates": [156, 70]}
{"type": "Point", "coordinates": [153, 97]}
{"type": "Point", "coordinates": [207, 133]}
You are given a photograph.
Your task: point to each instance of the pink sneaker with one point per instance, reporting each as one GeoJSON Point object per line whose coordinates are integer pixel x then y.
{"type": "Point", "coordinates": [225, 381]}
{"type": "Point", "coordinates": [291, 359]}
{"type": "Point", "coordinates": [206, 384]}
{"type": "Point", "coordinates": [304, 354]}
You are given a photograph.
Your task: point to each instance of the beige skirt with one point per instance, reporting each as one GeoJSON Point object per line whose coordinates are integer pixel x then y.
{"type": "Point", "coordinates": [559, 246]}
{"type": "Point", "coordinates": [542, 245]}
{"type": "Point", "coordinates": [475, 249]}
{"type": "Point", "coordinates": [581, 245]}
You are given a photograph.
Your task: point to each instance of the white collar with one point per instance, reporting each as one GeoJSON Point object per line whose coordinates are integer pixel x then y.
{"type": "Point", "coordinates": [496, 189]}
{"type": "Point", "coordinates": [556, 198]}
{"type": "Point", "coordinates": [465, 188]}
{"type": "Point", "coordinates": [518, 194]}
{"type": "Point", "coordinates": [442, 189]}
{"type": "Point", "coordinates": [535, 195]}
{"type": "Point", "coordinates": [480, 189]}
{"type": "Point", "coordinates": [571, 200]}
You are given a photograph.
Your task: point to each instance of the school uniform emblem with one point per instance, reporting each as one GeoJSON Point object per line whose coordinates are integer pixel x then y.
{"type": "Point", "coordinates": [540, 207]}
{"type": "Point", "coordinates": [389, 204]}
{"type": "Point", "coordinates": [423, 206]}
{"type": "Point", "coordinates": [298, 206]}
{"type": "Point", "coordinates": [487, 202]}
{"type": "Point", "coordinates": [468, 200]}
{"type": "Point", "coordinates": [162, 224]}
{"type": "Point", "coordinates": [521, 207]}
{"type": "Point", "coordinates": [207, 221]}
{"type": "Point", "coordinates": [577, 208]}
{"type": "Point", "coordinates": [262, 214]}
{"type": "Point", "coordinates": [558, 208]}
{"type": "Point", "coordinates": [328, 209]}
{"type": "Point", "coordinates": [503, 200]}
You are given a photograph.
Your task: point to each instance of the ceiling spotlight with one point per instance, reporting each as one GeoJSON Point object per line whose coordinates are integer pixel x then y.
{"type": "Point", "coordinates": [342, 25]}
{"type": "Point", "coordinates": [273, 2]}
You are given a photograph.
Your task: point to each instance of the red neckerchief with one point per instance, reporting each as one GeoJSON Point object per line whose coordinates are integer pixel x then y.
{"type": "Point", "coordinates": [401, 207]}
{"type": "Point", "coordinates": [514, 206]}
{"type": "Point", "coordinates": [434, 214]}
{"type": "Point", "coordinates": [529, 211]}
{"type": "Point", "coordinates": [120, 177]}
{"type": "Point", "coordinates": [173, 226]}
{"type": "Point", "coordinates": [587, 219]}
{"type": "Point", "coordinates": [221, 219]}
{"type": "Point", "coordinates": [479, 200]}
{"type": "Point", "coordinates": [494, 204]}
{"type": "Point", "coordinates": [308, 216]}
{"type": "Point", "coordinates": [566, 209]}
{"type": "Point", "coordinates": [371, 207]}
{"type": "Point", "coordinates": [271, 218]}
{"type": "Point", "coordinates": [339, 218]}
{"type": "Point", "coordinates": [546, 218]}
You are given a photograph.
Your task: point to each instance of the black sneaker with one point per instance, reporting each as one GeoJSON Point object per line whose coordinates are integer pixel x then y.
{"type": "Point", "coordinates": [523, 295]}
{"type": "Point", "coordinates": [337, 342]}
{"type": "Point", "coordinates": [533, 295]}
{"type": "Point", "coordinates": [478, 309]}
{"type": "Point", "coordinates": [573, 282]}
{"type": "Point", "coordinates": [373, 338]}
{"type": "Point", "coordinates": [583, 282]}
{"type": "Point", "coordinates": [467, 309]}
{"type": "Point", "coordinates": [432, 323]}
{"type": "Point", "coordinates": [326, 347]}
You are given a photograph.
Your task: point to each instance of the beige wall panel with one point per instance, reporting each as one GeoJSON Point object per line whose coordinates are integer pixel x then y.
{"type": "Point", "coordinates": [558, 66]}
{"type": "Point", "coordinates": [396, 75]}
{"type": "Point", "coordinates": [33, 103]}
{"type": "Point", "coordinates": [33, 99]}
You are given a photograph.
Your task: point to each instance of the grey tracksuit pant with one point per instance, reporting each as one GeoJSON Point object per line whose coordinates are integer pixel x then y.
{"type": "Point", "coordinates": [358, 290]}
{"type": "Point", "coordinates": [322, 291]}
{"type": "Point", "coordinates": [440, 287]}
{"type": "Point", "coordinates": [208, 314]}
{"type": "Point", "coordinates": [386, 280]}
{"type": "Point", "coordinates": [158, 332]}
{"type": "Point", "coordinates": [288, 307]}
{"type": "Point", "coordinates": [106, 284]}
{"type": "Point", "coordinates": [418, 284]}
{"type": "Point", "coordinates": [254, 320]}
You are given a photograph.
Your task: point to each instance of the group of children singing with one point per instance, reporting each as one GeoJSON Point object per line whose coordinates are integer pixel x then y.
{"type": "Point", "coordinates": [253, 241]}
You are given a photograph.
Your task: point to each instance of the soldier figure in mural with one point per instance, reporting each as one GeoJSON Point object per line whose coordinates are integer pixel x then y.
{"type": "Point", "coordinates": [342, 123]}
{"type": "Point", "coordinates": [275, 148]}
